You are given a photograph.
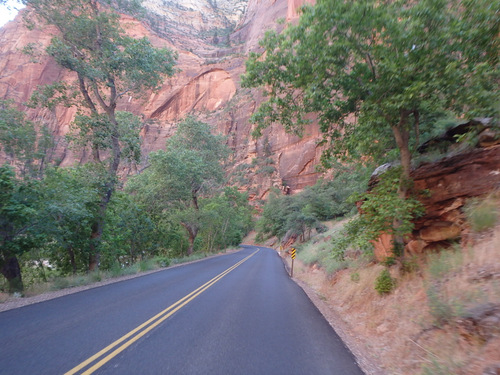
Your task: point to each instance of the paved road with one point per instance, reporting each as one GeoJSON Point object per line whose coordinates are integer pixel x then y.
{"type": "Point", "coordinates": [235, 314]}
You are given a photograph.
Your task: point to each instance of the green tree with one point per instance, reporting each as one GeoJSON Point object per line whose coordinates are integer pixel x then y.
{"type": "Point", "coordinates": [68, 208]}
{"type": "Point", "coordinates": [190, 168]}
{"type": "Point", "coordinates": [24, 148]}
{"type": "Point", "coordinates": [372, 71]}
{"type": "Point", "coordinates": [225, 219]}
{"type": "Point", "coordinates": [130, 233]}
{"type": "Point", "coordinates": [108, 65]}
{"type": "Point", "coordinates": [286, 215]}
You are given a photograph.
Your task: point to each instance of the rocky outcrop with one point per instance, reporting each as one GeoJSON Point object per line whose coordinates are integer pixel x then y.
{"type": "Point", "coordinates": [212, 39]}
{"type": "Point", "coordinates": [450, 182]}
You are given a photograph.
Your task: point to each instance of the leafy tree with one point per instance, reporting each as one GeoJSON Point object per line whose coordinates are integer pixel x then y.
{"type": "Point", "coordinates": [369, 69]}
{"type": "Point", "coordinates": [26, 150]}
{"type": "Point", "coordinates": [286, 215]}
{"type": "Point", "coordinates": [372, 71]}
{"type": "Point", "coordinates": [328, 199]}
{"type": "Point", "coordinates": [68, 208]}
{"type": "Point", "coordinates": [130, 234]}
{"type": "Point", "coordinates": [380, 206]}
{"type": "Point", "coordinates": [225, 220]}
{"type": "Point", "coordinates": [18, 209]}
{"type": "Point", "coordinates": [108, 65]}
{"type": "Point", "coordinates": [189, 169]}
{"type": "Point", "coordinates": [274, 216]}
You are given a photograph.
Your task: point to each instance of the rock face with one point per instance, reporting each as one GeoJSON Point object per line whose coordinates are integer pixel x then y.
{"type": "Point", "coordinates": [450, 182]}
{"type": "Point", "coordinates": [212, 38]}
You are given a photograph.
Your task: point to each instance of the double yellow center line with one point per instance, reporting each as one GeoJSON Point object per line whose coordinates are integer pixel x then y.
{"type": "Point", "coordinates": [125, 341]}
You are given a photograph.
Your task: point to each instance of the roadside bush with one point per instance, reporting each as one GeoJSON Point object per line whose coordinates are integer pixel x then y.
{"type": "Point", "coordinates": [445, 304]}
{"type": "Point", "coordinates": [162, 261]}
{"type": "Point", "coordinates": [385, 283]}
{"type": "Point", "coordinates": [146, 265]}
{"type": "Point", "coordinates": [409, 265]}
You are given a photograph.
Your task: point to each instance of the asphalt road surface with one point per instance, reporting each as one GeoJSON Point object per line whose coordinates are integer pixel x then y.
{"type": "Point", "coordinates": [234, 314]}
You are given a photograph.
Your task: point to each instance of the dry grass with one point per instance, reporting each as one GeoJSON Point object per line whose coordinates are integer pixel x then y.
{"type": "Point", "coordinates": [401, 328]}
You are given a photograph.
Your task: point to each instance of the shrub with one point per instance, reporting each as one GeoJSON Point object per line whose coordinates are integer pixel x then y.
{"type": "Point", "coordinates": [389, 261]}
{"type": "Point", "coordinates": [162, 261]}
{"type": "Point", "coordinates": [146, 265]}
{"type": "Point", "coordinates": [116, 269]}
{"type": "Point", "coordinates": [60, 283]}
{"type": "Point", "coordinates": [381, 209]}
{"type": "Point", "coordinates": [95, 276]}
{"type": "Point", "coordinates": [355, 277]}
{"type": "Point", "coordinates": [481, 214]}
{"type": "Point", "coordinates": [444, 262]}
{"type": "Point", "coordinates": [385, 283]}
{"type": "Point", "coordinates": [409, 265]}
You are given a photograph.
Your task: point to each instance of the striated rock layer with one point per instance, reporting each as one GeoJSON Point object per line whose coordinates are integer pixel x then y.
{"type": "Point", "coordinates": [450, 182]}
{"type": "Point", "coordinates": [212, 39]}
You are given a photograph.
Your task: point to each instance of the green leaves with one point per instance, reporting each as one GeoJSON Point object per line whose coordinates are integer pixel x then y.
{"type": "Point", "coordinates": [18, 215]}
{"type": "Point", "coordinates": [93, 44]}
{"type": "Point", "coordinates": [183, 183]}
{"type": "Point", "coordinates": [24, 148]}
{"type": "Point", "coordinates": [382, 211]}
{"type": "Point", "coordinates": [301, 213]}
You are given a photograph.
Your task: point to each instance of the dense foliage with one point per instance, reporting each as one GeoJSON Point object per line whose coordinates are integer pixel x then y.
{"type": "Point", "coordinates": [46, 217]}
{"type": "Point", "coordinates": [288, 216]}
{"type": "Point", "coordinates": [382, 211]}
{"type": "Point", "coordinates": [184, 186]}
{"type": "Point", "coordinates": [17, 216]}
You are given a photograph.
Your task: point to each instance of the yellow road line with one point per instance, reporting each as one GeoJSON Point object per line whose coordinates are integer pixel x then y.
{"type": "Point", "coordinates": [159, 318]}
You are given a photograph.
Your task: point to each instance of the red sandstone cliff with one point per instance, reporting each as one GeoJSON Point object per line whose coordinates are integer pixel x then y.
{"type": "Point", "coordinates": [208, 85]}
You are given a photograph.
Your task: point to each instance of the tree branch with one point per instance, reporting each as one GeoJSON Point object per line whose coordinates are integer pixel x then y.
{"type": "Point", "coordinates": [85, 93]}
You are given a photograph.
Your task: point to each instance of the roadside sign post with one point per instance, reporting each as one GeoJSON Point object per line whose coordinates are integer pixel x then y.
{"type": "Point", "coordinates": [292, 254]}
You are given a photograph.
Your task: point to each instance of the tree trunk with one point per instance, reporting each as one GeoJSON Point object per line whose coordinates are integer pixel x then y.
{"type": "Point", "coordinates": [72, 259]}
{"type": "Point", "coordinates": [95, 238]}
{"type": "Point", "coordinates": [191, 243]}
{"type": "Point", "coordinates": [12, 272]}
{"type": "Point", "coordinates": [402, 137]}
{"type": "Point", "coordinates": [98, 225]}
{"type": "Point", "coordinates": [192, 233]}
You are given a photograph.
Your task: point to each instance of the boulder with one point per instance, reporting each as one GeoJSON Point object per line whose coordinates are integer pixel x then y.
{"type": "Point", "coordinates": [415, 247]}
{"type": "Point", "coordinates": [440, 231]}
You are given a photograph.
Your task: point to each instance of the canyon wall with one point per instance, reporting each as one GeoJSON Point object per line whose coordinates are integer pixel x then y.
{"type": "Point", "coordinates": [212, 38]}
